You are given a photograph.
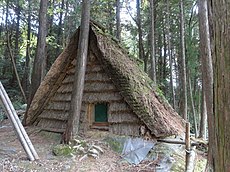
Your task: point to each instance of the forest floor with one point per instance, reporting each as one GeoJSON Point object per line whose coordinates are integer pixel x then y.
{"type": "Point", "coordinates": [14, 159]}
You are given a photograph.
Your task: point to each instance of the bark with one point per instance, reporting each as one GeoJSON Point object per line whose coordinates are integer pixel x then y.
{"type": "Point", "coordinates": [140, 34]}
{"type": "Point", "coordinates": [203, 119]}
{"type": "Point", "coordinates": [183, 64]}
{"type": "Point", "coordinates": [207, 73]}
{"type": "Point", "coordinates": [110, 17]}
{"type": "Point", "coordinates": [26, 80]}
{"type": "Point", "coordinates": [17, 35]}
{"type": "Point", "coordinates": [66, 30]}
{"type": "Point", "coordinates": [76, 99]}
{"type": "Point", "coordinates": [164, 70]}
{"type": "Point", "coordinates": [159, 71]}
{"type": "Point", "coordinates": [118, 20]}
{"type": "Point", "coordinates": [169, 53]}
{"type": "Point", "coordinates": [18, 12]}
{"type": "Point", "coordinates": [221, 57]}
{"type": "Point", "coordinates": [50, 17]}
{"type": "Point", "coordinates": [5, 66]}
{"type": "Point", "coordinates": [193, 107]}
{"type": "Point", "coordinates": [40, 57]}
{"type": "Point", "coordinates": [14, 67]}
{"type": "Point", "coordinates": [152, 41]}
{"type": "Point", "coordinates": [171, 82]}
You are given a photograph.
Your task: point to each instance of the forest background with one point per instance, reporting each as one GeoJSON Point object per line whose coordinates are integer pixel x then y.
{"type": "Point", "coordinates": [162, 34]}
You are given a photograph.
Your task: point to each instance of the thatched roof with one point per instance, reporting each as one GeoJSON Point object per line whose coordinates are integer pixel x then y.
{"type": "Point", "coordinates": [134, 85]}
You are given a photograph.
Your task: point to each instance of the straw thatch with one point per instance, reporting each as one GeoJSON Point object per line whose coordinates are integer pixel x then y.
{"type": "Point", "coordinates": [111, 77]}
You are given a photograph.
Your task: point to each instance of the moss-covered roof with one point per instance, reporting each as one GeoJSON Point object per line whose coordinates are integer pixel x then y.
{"type": "Point", "coordinates": [133, 84]}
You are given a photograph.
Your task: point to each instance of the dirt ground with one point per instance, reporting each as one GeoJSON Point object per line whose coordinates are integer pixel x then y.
{"type": "Point", "coordinates": [14, 159]}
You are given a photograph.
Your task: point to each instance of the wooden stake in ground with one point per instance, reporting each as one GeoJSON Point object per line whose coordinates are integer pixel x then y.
{"type": "Point", "coordinates": [190, 152]}
{"type": "Point", "coordinates": [76, 99]}
{"type": "Point", "coordinates": [19, 129]}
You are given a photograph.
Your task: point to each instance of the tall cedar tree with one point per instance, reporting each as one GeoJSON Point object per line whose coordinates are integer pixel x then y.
{"type": "Point", "coordinates": [183, 64]}
{"type": "Point", "coordinates": [39, 65]}
{"type": "Point", "coordinates": [25, 80]}
{"type": "Point", "coordinates": [207, 74]}
{"type": "Point", "coordinates": [205, 53]}
{"type": "Point", "coordinates": [140, 34]}
{"type": "Point", "coordinates": [169, 48]}
{"type": "Point", "coordinates": [152, 41]}
{"type": "Point", "coordinates": [118, 20]}
{"type": "Point", "coordinates": [220, 143]}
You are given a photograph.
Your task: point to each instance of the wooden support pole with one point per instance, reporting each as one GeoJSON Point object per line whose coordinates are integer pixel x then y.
{"type": "Point", "coordinates": [190, 165]}
{"type": "Point", "coordinates": [193, 143]}
{"type": "Point", "coordinates": [190, 153]}
{"type": "Point", "coordinates": [187, 137]}
{"type": "Point", "coordinates": [187, 142]}
{"type": "Point", "coordinates": [19, 129]}
{"type": "Point", "coordinates": [79, 78]}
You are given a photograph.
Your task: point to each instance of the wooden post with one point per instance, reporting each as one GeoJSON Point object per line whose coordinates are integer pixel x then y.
{"type": "Point", "coordinates": [19, 129]}
{"type": "Point", "coordinates": [78, 86]}
{"type": "Point", "coordinates": [190, 165]}
{"type": "Point", "coordinates": [190, 152]}
{"type": "Point", "coordinates": [187, 142]}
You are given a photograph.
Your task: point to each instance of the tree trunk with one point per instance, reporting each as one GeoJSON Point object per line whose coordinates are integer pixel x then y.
{"type": "Point", "coordinates": [203, 119]}
{"type": "Point", "coordinates": [118, 20]}
{"type": "Point", "coordinates": [152, 41]}
{"type": "Point", "coordinates": [221, 57]}
{"type": "Point", "coordinates": [50, 17]}
{"type": "Point", "coordinates": [51, 28]}
{"type": "Point", "coordinates": [18, 12]}
{"type": "Point", "coordinates": [40, 57]}
{"type": "Point", "coordinates": [6, 53]}
{"type": "Point", "coordinates": [169, 48]}
{"type": "Point", "coordinates": [76, 99]}
{"type": "Point", "coordinates": [60, 33]}
{"type": "Point", "coordinates": [15, 68]}
{"type": "Point", "coordinates": [164, 70]}
{"type": "Point", "coordinates": [26, 80]}
{"type": "Point", "coordinates": [207, 72]}
{"type": "Point", "coordinates": [66, 30]}
{"type": "Point", "coordinates": [159, 71]}
{"type": "Point", "coordinates": [17, 35]}
{"type": "Point", "coordinates": [193, 106]}
{"type": "Point", "coordinates": [140, 34]}
{"type": "Point", "coordinates": [110, 17]}
{"type": "Point", "coordinates": [183, 107]}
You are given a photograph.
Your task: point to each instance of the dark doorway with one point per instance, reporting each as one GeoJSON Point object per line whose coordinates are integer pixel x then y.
{"type": "Point", "coordinates": [101, 110]}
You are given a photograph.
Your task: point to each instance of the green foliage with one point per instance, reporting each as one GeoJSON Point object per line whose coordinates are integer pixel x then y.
{"type": "Point", "coordinates": [51, 40]}
{"type": "Point", "coordinates": [2, 114]}
{"type": "Point", "coordinates": [160, 92]}
{"type": "Point", "coordinates": [103, 11]}
{"type": "Point", "coordinates": [63, 150]}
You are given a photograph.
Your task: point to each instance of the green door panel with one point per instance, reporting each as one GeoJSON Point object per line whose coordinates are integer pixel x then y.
{"type": "Point", "coordinates": [101, 112]}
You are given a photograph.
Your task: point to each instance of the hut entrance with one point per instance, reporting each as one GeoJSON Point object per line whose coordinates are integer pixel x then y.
{"type": "Point", "coordinates": [100, 113]}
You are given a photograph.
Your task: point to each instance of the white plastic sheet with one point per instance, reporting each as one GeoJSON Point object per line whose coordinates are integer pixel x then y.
{"type": "Point", "coordinates": [136, 149]}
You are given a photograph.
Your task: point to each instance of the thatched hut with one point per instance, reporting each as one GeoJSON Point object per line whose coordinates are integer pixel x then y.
{"type": "Point", "coordinates": [118, 96]}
